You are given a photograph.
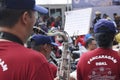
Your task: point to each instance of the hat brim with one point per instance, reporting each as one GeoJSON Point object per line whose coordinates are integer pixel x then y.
{"type": "Point", "coordinates": [41, 9]}
{"type": "Point", "coordinates": [54, 44]}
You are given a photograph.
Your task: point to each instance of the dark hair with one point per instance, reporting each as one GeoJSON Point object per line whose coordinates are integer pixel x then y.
{"type": "Point", "coordinates": [9, 17]}
{"type": "Point", "coordinates": [89, 41]}
{"type": "Point", "coordinates": [104, 40]}
{"type": "Point", "coordinates": [33, 46]}
{"type": "Point", "coordinates": [114, 14]}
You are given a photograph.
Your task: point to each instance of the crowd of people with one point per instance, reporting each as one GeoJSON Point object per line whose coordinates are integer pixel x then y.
{"type": "Point", "coordinates": [27, 52]}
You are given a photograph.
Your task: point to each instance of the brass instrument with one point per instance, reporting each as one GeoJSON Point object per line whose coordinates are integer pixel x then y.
{"type": "Point", "coordinates": [64, 67]}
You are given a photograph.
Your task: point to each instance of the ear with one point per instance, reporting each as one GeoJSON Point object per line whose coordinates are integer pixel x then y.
{"type": "Point", "coordinates": [45, 46]}
{"type": "Point", "coordinates": [25, 17]}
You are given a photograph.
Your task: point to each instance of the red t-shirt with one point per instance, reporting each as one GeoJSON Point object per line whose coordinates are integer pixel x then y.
{"type": "Point", "coordinates": [81, 40]}
{"type": "Point", "coordinates": [54, 69]}
{"type": "Point", "coordinates": [99, 64]}
{"type": "Point", "coordinates": [20, 63]}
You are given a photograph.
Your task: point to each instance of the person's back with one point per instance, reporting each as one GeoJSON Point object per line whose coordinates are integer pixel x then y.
{"type": "Point", "coordinates": [20, 63]}
{"type": "Point", "coordinates": [103, 62]}
{"type": "Point", "coordinates": [16, 61]}
{"type": "Point", "coordinates": [99, 66]}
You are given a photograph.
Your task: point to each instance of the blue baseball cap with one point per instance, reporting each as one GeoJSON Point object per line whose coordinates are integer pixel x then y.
{"type": "Point", "coordinates": [42, 39]}
{"type": "Point", "coordinates": [23, 4]}
{"type": "Point", "coordinates": [105, 26]}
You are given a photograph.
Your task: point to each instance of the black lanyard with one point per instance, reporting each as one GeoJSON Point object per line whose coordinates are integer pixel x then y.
{"type": "Point", "coordinates": [11, 37]}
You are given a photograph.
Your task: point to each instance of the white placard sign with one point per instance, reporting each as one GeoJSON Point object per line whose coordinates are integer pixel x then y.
{"type": "Point", "coordinates": [78, 21]}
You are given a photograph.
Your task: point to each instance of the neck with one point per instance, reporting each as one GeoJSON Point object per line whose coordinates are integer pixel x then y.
{"type": "Point", "coordinates": [10, 37]}
{"type": "Point", "coordinates": [18, 32]}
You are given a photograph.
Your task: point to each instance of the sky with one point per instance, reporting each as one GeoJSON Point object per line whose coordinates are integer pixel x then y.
{"type": "Point", "coordinates": [43, 2]}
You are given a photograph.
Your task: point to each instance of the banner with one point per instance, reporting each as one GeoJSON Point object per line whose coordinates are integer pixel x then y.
{"type": "Point", "coordinates": [90, 3]}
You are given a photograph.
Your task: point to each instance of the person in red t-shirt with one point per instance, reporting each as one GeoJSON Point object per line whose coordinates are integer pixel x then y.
{"type": "Point", "coordinates": [17, 18]}
{"type": "Point", "coordinates": [80, 39]}
{"type": "Point", "coordinates": [44, 45]}
{"type": "Point", "coordinates": [103, 62]}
